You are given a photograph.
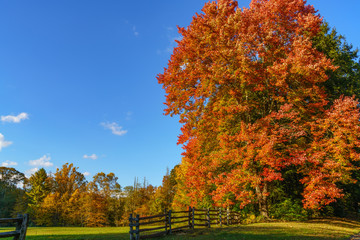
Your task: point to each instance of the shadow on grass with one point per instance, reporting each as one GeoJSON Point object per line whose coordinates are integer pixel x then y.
{"type": "Point", "coordinates": [255, 233]}
{"type": "Point", "coordinates": [105, 236]}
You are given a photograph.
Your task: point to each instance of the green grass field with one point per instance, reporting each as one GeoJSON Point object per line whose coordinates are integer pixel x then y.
{"type": "Point", "coordinates": [315, 229]}
{"type": "Point", "coordinates": [76, 233]}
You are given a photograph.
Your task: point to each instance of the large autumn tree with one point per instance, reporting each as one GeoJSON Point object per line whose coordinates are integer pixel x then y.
{"type": "Point", "coordinates": [248, 85]}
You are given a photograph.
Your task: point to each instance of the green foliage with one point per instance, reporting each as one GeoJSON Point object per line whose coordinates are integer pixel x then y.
{"type": "Point", "coordinates": [289, 210]}
{"type": "Point", "coordinates": [40, 187]}
{"type": "Point", "coordinates": [346, 79]}
{"type": "Point", "coordinates": [10, 193]}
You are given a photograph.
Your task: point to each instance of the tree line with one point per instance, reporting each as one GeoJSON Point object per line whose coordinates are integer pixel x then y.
{"type": "Point", "coordinates": [65, 198]}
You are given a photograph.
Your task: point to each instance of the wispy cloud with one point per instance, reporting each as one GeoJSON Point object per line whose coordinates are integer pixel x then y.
{"type": "Point", "coordinates": [114, 127]}
{"type": "Point", "coordinates": [136, 33]}
{"type": "Point", "coordinates": [171, 36]}
{"type": "Point", "coordinates": [4, 143]}
{"type": "Point", "coordinates": [86, 174]}
{"type": "Point", "coordinates": [44, 161]}
{"type": "Point", "coordinates": [30, 172]}
{"type": "Point", "coordinates": [8, 163]}
{"type": "Point", "coordinates": [92, 156]}
{"type": "Point", "coordinates": [15, 119]}
{"type": "Point", "coordinates": [133, 28]}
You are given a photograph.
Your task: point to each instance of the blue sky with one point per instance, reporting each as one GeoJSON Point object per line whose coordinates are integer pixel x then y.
{"type": "Point", "coordinates": [77, 82]}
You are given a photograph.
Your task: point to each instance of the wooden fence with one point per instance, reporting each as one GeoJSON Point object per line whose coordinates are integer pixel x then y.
{"type": "Point", "coordinates": [21, 227]}
{"type": "Point", "coordinates": [173, 221]}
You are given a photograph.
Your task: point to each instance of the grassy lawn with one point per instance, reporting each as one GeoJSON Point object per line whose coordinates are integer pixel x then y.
{"type": "Point", "coordinates": [76, 233]}
{"type": "Point", "coordinates": [310, 230]}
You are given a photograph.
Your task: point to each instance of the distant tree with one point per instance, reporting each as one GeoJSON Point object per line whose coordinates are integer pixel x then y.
{"type": "Point", "coordinates": [94, 208]}
{"type": "Point", "coordinates": [181, 197]}
{"type": "Point", "coordinates": [105, 201]}
{"type": "Point", "coordinates": [10, 191]}
{"type": "Point", "coordinates": [21, 203]}
{"type": "Point", "coordinates": [164, 194]}
{"type": "Point", "coordinates": [62, 205]}
{"type": "Point", "coordinates": [137, 199]}
{"type": "Point", "coordinates": [39, 188]}
{"type": "Point", "coordinates": [106, 184]}
{"type": "Point", "coordinates": [11, 177]}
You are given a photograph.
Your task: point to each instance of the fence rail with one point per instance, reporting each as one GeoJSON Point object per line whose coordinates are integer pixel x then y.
{"type": "Point", "coordinates": [21, 227]}
{"type": "Point", "coordinates": [173, 221]}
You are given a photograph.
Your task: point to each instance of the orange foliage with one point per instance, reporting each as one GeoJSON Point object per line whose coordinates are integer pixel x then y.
{"type": "Point", "coordinates": [246, 84]}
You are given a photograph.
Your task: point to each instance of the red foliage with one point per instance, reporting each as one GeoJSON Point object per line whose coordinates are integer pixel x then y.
{"type": "Point", "coordinates": [245, 83]}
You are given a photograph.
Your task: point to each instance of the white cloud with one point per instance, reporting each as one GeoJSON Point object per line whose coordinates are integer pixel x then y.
{"type": "Point", "coordinates": [136, 33]}
{"type": "Point", "coordinates": [44, 161]}
{"type": "Point", "coordinates": [4, 143]}
{"type": "Point", "coordinates": [15, 119]}
{"type": "Point", "coordinates": [30, 172]}
{"type": "Point", "coordinates": [92, 156]}
{"type": "Point", "coordinates": [114, 127]}
{"type": "Point", "coordinates": [8, 163]}
{"type": "Point", "coordinates": [86, 174]}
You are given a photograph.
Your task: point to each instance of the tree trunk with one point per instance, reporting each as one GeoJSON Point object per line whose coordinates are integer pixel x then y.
{"type": "Point", "coordinates": [262, 200]}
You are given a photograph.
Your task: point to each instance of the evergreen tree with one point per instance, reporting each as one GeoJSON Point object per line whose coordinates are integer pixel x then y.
{"type": "Point", "coordinates": [39, 188]}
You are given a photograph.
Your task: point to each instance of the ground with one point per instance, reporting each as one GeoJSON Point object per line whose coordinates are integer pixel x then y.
{"type": "Point", "coordinates": [317, 229]}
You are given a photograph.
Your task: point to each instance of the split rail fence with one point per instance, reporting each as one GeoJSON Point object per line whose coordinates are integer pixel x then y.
{"type": "Point", "coordinates": [173, 221]}
{"type": "Point", "coordinates": [21, 227]}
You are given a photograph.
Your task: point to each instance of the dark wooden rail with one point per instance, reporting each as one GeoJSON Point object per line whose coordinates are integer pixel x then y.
{"type": "Point", "coordinates": [21, 227]}
{"type": "Point", "coordinates": [172, 221]}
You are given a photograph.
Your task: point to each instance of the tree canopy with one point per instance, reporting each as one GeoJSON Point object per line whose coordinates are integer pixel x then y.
{"type": "Point", "coordinates": [249, 86]}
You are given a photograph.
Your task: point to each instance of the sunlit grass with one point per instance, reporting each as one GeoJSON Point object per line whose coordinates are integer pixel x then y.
{"type": "Point", "coordinates": [76, 233]}
{"type": "Point", "coordinates": [311, 230]}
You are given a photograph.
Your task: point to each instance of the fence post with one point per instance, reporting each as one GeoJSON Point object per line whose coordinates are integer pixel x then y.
{"type": "Point", "coordinates": [220, 217]}
{"type": "Point", "coordinates": [24, 225]}
{"type": "Point", "coordinates": [189, 217]}
{"type": "Point", "coordinates": [208, 217]}
{"type": "Point", "coordinates": [193, 216]}
{"type": "Point", "coordinates": [18, 226]}
{"type": "Point", "coordinates": [131, 227]}
{"type": "Point", "coordinates": [166, 221]}
{"type": "Point", "coordinates": [169, 221]}
{"type": "Point", "coordinates": [227, 216]}
{"type": "Point", "coordinates": [137, 220]}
